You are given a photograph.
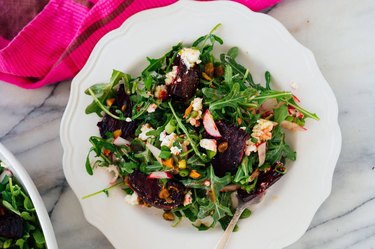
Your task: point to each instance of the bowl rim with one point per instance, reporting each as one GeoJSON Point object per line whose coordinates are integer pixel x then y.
{"type": "Point", "coordinates": [25, 180]}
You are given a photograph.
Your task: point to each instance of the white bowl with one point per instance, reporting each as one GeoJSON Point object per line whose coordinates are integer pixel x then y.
{"type": "Point", "coordinates": [24, 179]}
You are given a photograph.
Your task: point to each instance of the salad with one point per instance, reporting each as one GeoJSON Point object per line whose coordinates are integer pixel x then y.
{"type": "Point", "coordinates": [19, 225]}
{"type": "Point", "coordinates": [191, 130]}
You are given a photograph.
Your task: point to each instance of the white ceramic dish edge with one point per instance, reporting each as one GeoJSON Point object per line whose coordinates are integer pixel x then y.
{"type": "Point", "coordinates": [23, 178]}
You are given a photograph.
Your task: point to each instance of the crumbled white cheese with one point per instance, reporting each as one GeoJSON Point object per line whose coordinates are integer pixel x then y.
{"type": "Point", "coordinates": [197, 104]}
{"type": "Point", "coordinates": [262, 130]}
{"type": "Point", "coordinates": [171, 76]}
{"type": "Point", "coordinates": [168, 140]}
{"type": "Point", "coordinates": [194, 122]}
{"type": "Point", "coordinates": [162, 136]}
{"type": "Point", "coordinates": [208, 144]}
{"type": "Point", "coordinates": [151, 108]}
{"type": "Point", "coordinates": [188, 198]}
{"type": "Point", "coordinates": [243, 128]}
{"type": "Point", "coordinates": [161, 92]}
{"type": "Point", "coordinates": [145, 128]}
{"type": "Point", "coordinates": [128, 119]}
{"type": "Point", "coordinates": [190, 56]}
{"type": "Point", "coordinates": [197, 109]}
{"type": "Point", "coordinates": [250, 147]}
{"type": "Point", "coordinates": [175, 150]}
{"type": "Point", "coordinates": [132, 199]}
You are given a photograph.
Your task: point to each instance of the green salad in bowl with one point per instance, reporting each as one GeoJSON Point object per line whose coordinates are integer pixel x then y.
{"type": "Point", "coordinates": [24, 220]}
{"type": "Point", "coordinates": [19, 225]}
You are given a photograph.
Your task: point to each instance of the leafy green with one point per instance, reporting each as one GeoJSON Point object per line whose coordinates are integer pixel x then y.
{"type": "Point", "coordinates": [14, 199]}
{"type": "Point", "coordinates": [183, 128]}
{"type": "Point", "coordinates": [234, 98]}
{"type": "Point", "coordinates": [168, 136]}
{"type": "Point", "coordinates": [229, 59]}
{"type": "Point", "coordinates": [102, 91]}
{"type": "Point", "coordinates": [215, 207]}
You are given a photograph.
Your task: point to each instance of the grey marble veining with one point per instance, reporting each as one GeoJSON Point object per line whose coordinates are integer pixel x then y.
{"type": "Point", "coordinates": [341, 35]}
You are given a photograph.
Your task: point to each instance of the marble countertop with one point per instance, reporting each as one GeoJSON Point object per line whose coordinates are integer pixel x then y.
{"type": "Point", "coordinates": [341, 35]}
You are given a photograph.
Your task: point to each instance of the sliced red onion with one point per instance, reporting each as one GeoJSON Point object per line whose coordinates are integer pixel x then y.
{"type": "Point", "coordinates": [210, 126]}
{"type": "Point", "coordinates": [262, 153]}
{"type": "Point", "coordinates": [160, 175]}
{"type": "Point", "coordinates": [121, 141]}
{"type": "Point", "coordinates": [292, 126]}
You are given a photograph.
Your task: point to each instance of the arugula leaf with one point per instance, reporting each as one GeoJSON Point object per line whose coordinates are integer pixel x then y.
{"type": "Point", "coordinates": [103, 91]}
{"type": "Point", "coordinates": [215, 207]}
{"type": "Point", "coordinates": [183, 128]}
{"type": "Point", "coordinates": [229, 59]}
{"type": "Point", "coordinates": [228, 74]}
{"type": "Point", "coordinates": [154, 65]}
{"type": "Point", "coordinates": [224, 222]}
{"type": "Point", "coordinates": [203, 39]}
{"type": "Point", "coordinates": [213, 94]}
{"type": "Point", "coordinates": [234, 98]}
{"type": "Point", "coordinates": [88, 163]}
{"type": "Point", "coordinates": [281, 113]}
{"type": "Point", "coordinates": [233, 52]}
{"type": "Point", "coordinates": [268, 80]}
{"type": "Point", "coordinates": [165, 154]}
{"type": "Point", "coordinates": [147, 79]}
{"type": "Point", "coordinates": [278, 149]}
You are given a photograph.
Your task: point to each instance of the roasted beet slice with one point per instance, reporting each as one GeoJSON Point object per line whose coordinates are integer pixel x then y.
{"type": "Point", "coordinates": [265, 180]}
{"type": "Point", "coordinates": [149, 190]}
{"type": "Point", "coordinates": [11, 225]}
{"type": "Point", "coordinates": [229, 159]}
{"type": "Point", "coordinates": [109, 124]}
{"type": "Point", "coordinates": [187, 80]}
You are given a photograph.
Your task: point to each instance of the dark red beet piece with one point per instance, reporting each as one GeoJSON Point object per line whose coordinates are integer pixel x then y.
{"type": "Point", "coordinates": [148, 190]}
{"type": "Point", "coordinates": [229, 160]}
{"type": "Point", "coordinates": [11, 225]}
{"type": "Point", "coordinates": [109, 124]}
{"type": "Point", "coordinates": [186, 82]}
{"type": "Point", "coordinates": [265, 180]}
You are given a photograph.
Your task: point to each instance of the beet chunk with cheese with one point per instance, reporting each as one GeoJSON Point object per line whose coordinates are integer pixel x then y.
{"type": "Point", "coordinates": [149, 190]}
{"type": "Point", "coordinates": [186, 82]}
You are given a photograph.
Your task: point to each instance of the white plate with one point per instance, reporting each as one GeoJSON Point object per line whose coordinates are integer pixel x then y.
{"type": "Point", "coordinates": [24, 179]}
{"type": "Point", "coordinates": [265, 45]}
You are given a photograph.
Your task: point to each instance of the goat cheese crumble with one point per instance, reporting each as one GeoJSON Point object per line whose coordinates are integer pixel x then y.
{"type": "Point", "coordinates": [132, 199]}
{"type": "Point", "coordinates": [145, 128]}
{"type": "Point", "coordinates": [168, 140]}
{"type": "Point", "coordinates": [262, 130]}
{"type": "Point", "coordinates": [151, 108]}
{"type": "Point", "coordinates": [175, 150]}
{"type": "Point", "coordinates": [190, 57]}
{"type": "Point", "coordinates": [171, 76]}
{"type": "Point", "coordinates": [208, 144]}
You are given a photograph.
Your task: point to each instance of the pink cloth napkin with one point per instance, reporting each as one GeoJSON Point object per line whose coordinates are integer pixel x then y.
{"type": "Point", "coordinates": [43, 42]}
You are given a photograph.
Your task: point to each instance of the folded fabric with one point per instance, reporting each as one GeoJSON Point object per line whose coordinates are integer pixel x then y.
{"type": "Point", "coordinates": [43, 42]}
